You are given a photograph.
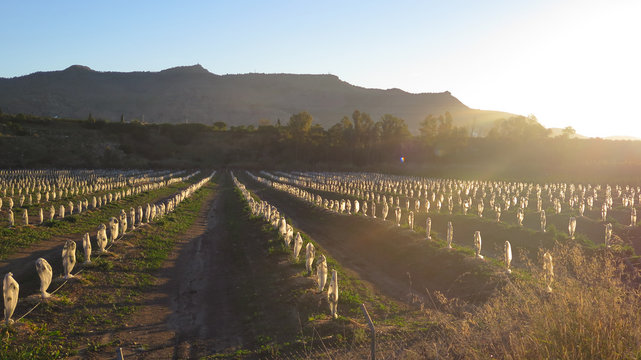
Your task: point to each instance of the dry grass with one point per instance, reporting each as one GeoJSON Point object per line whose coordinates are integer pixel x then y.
{"type": "Point", "coordinates": [593, 313]}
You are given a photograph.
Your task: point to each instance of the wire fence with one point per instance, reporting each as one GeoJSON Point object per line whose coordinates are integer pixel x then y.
{"type": "Point", "coordinates": [384, 342]}
{"type": "Point", "coordinates": [177, 197]}
{"type": "Point", "coordinates": [387, 346]}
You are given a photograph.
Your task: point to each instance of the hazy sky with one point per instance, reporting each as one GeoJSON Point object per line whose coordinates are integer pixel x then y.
{"type": "Point", "coordinates": [574, 63]}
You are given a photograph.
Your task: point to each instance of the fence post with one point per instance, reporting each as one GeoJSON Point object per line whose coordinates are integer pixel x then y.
{"type": "Point", "coordinates": [371, 327]}
{"type": "Point", "coordinates": [119, 355]}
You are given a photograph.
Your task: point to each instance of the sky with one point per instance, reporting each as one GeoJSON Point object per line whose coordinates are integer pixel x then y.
{"type": "Point", "coordinates": [569, 63]}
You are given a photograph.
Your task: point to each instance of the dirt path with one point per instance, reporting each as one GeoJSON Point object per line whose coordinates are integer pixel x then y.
{"type": "Point", "coordinates": [214, 292]}
{"type": "Point", "coordinates": [173, 300]}
{"type": "Point", "coordinates": [200, 280]}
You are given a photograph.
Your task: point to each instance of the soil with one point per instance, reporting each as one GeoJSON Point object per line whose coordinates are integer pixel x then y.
{"type": "Point", "coordinates": [172, 308]}
{"type": "Point", "coordinates": [222, 290]}
{"type": "Point", "coordinates": [383, 254]}
{"type": "Point", "coordinates": [21, 262]}
{"type": "Point", "coordinates": [200, 303]}
{"type": "Point", "coordinates": [214, 292]}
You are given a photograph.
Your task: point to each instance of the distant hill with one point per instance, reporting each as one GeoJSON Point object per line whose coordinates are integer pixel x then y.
{"type": "Point", "coordinates": [558, 131]}
{"type": "Point", "coordinates": [193, 94]}
{"type": "Point", "coordinates": [554, 132]}
{"type": "Point", "coordinates": [627, 138]}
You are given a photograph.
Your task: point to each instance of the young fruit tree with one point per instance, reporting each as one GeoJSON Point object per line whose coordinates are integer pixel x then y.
{"type": "Point", "coordinates": [10, 290]}
{"type": "Point", "coordinates": [68, 258]}
{"type": "Point", "coordinates": [332, 295]}
{"type": "Point", "coordinates": [508, 256]}
{"type": "Point", "coordinates": [45, 273]}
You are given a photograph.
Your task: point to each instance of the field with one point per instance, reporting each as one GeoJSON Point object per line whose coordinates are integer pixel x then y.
{"type": "Point", "coordinates": [212, 273]}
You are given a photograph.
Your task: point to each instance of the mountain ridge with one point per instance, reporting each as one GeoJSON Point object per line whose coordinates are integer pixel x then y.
{"type": "Point", "coordinates": [194, 94]}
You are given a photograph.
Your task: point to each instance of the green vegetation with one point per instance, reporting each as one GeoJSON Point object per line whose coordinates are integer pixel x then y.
{"type": "Point", "coordinates": [22, 236]}
{"type": "Point", "coordinates": [109, 291]}
{"type": "Point", "coordinates": [516, 148]}
{"type": "Point", "coordinates": [590, 313]}
{"type": "Point", "coordinates": [314, 321]}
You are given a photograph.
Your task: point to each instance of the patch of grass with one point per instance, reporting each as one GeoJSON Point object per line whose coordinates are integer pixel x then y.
{"type": "Point", "coordinates": [22, 236]}
{"type": "Point", "coordinates": [592, 313]}
{"type": "Point", "coordinates": [40, 343]}
{"type": "Point", "coordinates": [108, 296]}
{"type": "Point", "coordinates": [312, 310]}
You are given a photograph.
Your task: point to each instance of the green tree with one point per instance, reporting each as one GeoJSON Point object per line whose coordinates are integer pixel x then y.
{"type": "Point", "coordinates": [568, 132]}
{"type": "Point", "coordinates": [364, 135]}
{"type": "Point", "coordinates": [299, 126]}
{"type": "Point", "coordinates": [264, 122]}
{"type": "Point", "coordinates": [219, 126]}
{"type": "Point", "coordinates": [340, 138]}
{"type": "Point", "coordinates": [317, 140]}
{"type": "Point", "coordinates": [442, 136]}
{"type": "Point", "coordinates": [335, 135]}
{"type": "Point", "coordinates": [394, 136]}
{"type": "Point", "coordinates": [428, 129]}
{"type": "Point", "coordinates": [393, 128]}
{"type": "Point", "coordinates": [348, 128]}
{"type": "Point", "coordinates": [445, 125]}
{"type": "Point", "coordinates": [518, 128]}
{"type": "Point", "coordinates": [363, 126]}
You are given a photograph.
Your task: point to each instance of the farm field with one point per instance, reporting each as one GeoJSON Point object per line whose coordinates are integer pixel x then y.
{"type": "Point", "coordinates": [215, 276]}
{"type": "Point", "coordinates": [235, 180]}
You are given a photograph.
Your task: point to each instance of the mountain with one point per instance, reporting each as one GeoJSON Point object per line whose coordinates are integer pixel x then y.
{"type": "Point", "coordinates": [554, 132]}
{"type": "Point", "coordinates": [622, 137]}
{"type": "Point", "coordinates": [193, 94]}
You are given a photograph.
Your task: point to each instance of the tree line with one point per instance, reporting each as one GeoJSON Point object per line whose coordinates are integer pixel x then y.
{"type": "Point", "coordinates": [517, 148]}
{"type": "Point", "coordinates": [359, 140]}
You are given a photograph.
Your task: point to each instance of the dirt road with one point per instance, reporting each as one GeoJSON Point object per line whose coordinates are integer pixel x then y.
{"type": "Point", "coordinates": [218, 292]}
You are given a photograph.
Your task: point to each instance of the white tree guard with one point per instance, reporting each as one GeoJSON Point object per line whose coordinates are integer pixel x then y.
{"type": "Point", "coordinates": [321, 273]}
{"type": "Point", "coordinates": [428, 228]}
{"type": "Point", "coordinates": [45, 273]}
{"type": "Point", "coordinates": [68, 258]}
{"type": "Point", "coordinates": [548, 271]}
{"type": "Point", "coordinates": [507, 256]}
{"type": "Point", "coordinates": [298, 245]}
{"type": "Point", "coordinates": [310, 254]}
{"type": "Point", "coordinates": [10, 290]}
{"type": "Point", "coordinates": [86, 245]}
{"type": "Point", "coordinates": [478, 244]}
{"type": "Point", "coordinates": [572, 227]}
{"type": "Point", "coordinates": [332, 295]}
